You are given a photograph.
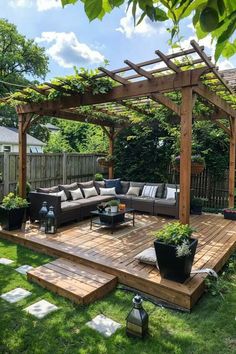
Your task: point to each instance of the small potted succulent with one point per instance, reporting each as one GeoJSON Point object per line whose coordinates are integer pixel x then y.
{"type": "Point", "coordinates": [12, 211]}
{"type": "Point", "coordinates": [197, 164]}
{"type": "Point", "coordinates": [175, 250]}
{"type": "Point", "coordinates": [114, 203]}
{"type": "Point", "coordinates": [196, 205]}
{"type": "Point", "coordinates": [98, 177]}
{"type": "Point", "coordinates": [230, 213]}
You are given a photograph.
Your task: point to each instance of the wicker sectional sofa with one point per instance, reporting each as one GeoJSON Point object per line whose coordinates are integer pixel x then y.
{"type": "Point", "coordinates": [79, 209]}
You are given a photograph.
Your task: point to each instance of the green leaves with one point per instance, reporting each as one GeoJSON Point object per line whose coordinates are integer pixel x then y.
{"type": "Point", "coordinates": [93, 8]}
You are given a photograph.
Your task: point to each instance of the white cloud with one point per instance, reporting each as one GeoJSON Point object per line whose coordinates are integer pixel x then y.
{"type": "Point", "coordinates": [67, 50]}
{"type": "Point", "coordinates": [225, 64]}
{"type": "Point", "coordinates": [42, 5]}
{"type": "Point", "coordinates": [145, 28]}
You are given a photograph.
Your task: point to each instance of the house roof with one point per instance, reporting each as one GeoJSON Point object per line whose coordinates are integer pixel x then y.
{"type": "Point", "coordinates": [52, 127]}
{"type": "Point", "coordinates": [230, 76]}
{"type": "Point", "coordinates": [10, 136]}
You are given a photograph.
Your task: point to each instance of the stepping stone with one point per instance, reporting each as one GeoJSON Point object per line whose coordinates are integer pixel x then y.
{"type": "Point", "coordinates": [104, 325]}
{"type": "Point", "coordinates": [15, 295]}
{"type": "Point", "coordinates": [24, 269]}
{"type": "Point", "coordinates": [5, 261]}
{"type": "Point", "coordinates": [41, 308]}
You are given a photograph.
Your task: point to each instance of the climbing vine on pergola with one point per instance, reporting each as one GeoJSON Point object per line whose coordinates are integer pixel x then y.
{"type": "Point", "coordinates": [114, 99]}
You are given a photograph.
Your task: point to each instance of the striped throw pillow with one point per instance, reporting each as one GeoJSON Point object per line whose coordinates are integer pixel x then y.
{"type": "Point", "coordinates": [149, 191]}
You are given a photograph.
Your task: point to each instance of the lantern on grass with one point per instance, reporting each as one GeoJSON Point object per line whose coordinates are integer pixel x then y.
{"type": "Point", "coordinates": [137, 319]}
{"type": "Point", "coordinates": [51, 222]}
{"type": "Point", "coordinates": [42, 217]}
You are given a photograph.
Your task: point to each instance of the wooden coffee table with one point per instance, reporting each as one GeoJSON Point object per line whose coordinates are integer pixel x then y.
{"type": "Point", "coordinates": [111, 220]}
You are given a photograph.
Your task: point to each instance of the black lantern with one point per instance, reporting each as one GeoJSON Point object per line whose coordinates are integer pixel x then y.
{"type": "Point", "coordinates": [137, 319]}
{"type": "Point", "coordinates": [51, 223]}
{"type": "Point", "coordinates": [42, 217]}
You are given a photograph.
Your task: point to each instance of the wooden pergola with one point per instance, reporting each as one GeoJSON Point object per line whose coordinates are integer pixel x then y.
{"type": "Point", "coordinates": [136, 86]}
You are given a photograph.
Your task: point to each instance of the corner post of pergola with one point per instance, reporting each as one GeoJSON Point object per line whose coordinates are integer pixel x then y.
{"type": "Point", "coordinates": [232, 161]}
{"type": "Point", "coordinates": [185, 154]}
{"type": "Point", "coordinates": [23, 124]}
{"type": "Point", "coordinates": [111, 150]}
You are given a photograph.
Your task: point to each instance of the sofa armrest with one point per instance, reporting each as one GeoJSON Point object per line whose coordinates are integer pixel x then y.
{"type": "Point", "coordinates": [36, 200]}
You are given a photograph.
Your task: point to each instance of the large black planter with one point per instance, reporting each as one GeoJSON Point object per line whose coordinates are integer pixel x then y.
{"type": "Point", "coordinates": [196, 210]}
{"type": "Point", "coordinates": [228, 214]}
{"type": "Point", "coordinates": [11, 219]}
{"type": "Point", "coordinates": [172, 267]}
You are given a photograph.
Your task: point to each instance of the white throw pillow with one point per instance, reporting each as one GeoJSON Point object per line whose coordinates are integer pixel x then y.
{"type": "Point", "coordinates": [149, 191]}
{"type": "Point", "coordinates": [171, 193]}
{"type": "Point", "coordinates": [61, 194]}
{"type": "Point", "coordinates": [108, 191]}
{"type": "Point", "coordinates": [147, 256]}
{"type": "Point", "coordinates": [90, 192]}
{"type": "Point", "coordinates": [133, 191]}
{"type": "Point", "coordinates": [76, 194]}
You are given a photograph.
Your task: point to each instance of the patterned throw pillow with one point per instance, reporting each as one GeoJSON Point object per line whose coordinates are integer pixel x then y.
{"type": "Point", "coordinates": [133, 191]}
{"type": "Point", "coordinates": [90, 192]}
{"type": "Point", "coordinates": [149, 191]}
{"type": "Point", "coordinates": [108, 191]}
{"type": "Point", "coordinates": [61, 194]}
{"type": "Point", "coordinates": [76, 194]}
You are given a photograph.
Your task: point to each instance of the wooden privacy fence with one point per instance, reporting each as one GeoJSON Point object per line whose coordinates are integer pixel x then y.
{"type": "Point", "coordinates": [44, 170]}
{"type": "Point", "coordinates": [206, 185]}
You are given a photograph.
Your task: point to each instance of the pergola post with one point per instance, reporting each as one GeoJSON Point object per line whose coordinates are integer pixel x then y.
{"type": "Point", "coordinates": [232, 162]}
{"type": "Point", "coordinates": [185, 154]}
{"type": "Point", "coordinates": [111, 151]}
{"type": "Point", "coordinates": [22, 156]}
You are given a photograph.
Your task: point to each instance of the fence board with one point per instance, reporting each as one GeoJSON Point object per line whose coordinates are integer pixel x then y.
{"type": "Point", "coordinates": [45, 170]}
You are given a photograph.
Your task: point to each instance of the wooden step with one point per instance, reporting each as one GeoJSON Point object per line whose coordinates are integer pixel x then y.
{"type": "Point", "coordinates": [79, 283]}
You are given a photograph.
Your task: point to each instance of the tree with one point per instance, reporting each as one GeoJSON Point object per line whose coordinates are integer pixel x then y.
{"type": "Point", "coordinates": [214, 17]}
{"type": "Point", "coordinates": [57, 143]}
{"type": "Point", "coordinates": [19, 57]}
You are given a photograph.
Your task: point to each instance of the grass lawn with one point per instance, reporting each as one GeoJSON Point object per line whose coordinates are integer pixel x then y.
{"type": "Point", "coordinates": [210, 328]}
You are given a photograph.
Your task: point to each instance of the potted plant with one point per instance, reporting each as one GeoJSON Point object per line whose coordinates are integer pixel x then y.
{"type": "Point", "coordinates": [106, 161]}
{"type": "Point", "coordinates": [175, 250]}
{"type": "Point", "coordinates": [12, 211]}
{"type": "Point", "coordinates": [230, 213]}
{"type": "Point", "coordinates": [196, 205]}
{"type": "Point", "coordinates": [114, 203]}
{"type": "Point", "coordinates": [98, 177]}
{"type": "Point", "coordinates": [197, 164]}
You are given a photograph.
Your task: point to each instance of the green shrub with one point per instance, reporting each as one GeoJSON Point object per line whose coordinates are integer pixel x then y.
{"type": "Point", "coordinates": [98, 177]}
{"type": "Point", "coordinates": [12, 201]}
{"type": "Point", "coordinates": [174, 233]}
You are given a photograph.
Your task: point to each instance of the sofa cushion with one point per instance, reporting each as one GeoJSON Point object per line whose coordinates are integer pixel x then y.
{"type": "Point", "coordinates": [67, 188]}
{"type": "Point", "coordinates": [69, 205]}
{"type": "Point", "coordinates": [88, 184]}
{"type": "Point", "coordinates": [149, 191]}
{"type": "Point", "coordinates": [170, 185]}
{"type": "Point", "coordinates": [93, 200]}
{"type": "Point", "coordinates": [110, 183]}
{"type": "Point", "coordinates": [76, 194]}
{"type": "Point", "coordinates": [53, 189]}
{"type": "Point", "coordinates": [170, 193]}
{"type": "Point", "coordinates": [90, 192]}
{"type": "Point", "coordinates": [165, 202]}
{"type": "Point", "coordinates": [147, 256]}
{"type": "Point", "coordinates": [98, 185]}
{"type": "Point", "coordinates": [61, 194]}
{"type": "Point", "coordinates": [133, 191]}
{"type": "Point", "coordinates": [160, 189]}
{"type": "Point", "coordinates": [124, 187]}
{"type": "Point", "coordinates": [138, 184]}
{"type": "Point", "coordinates": [108, 191]}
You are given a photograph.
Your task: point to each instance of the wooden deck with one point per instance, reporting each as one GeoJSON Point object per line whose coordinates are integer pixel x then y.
{"type": "Point", "coordinates": [114, 253]}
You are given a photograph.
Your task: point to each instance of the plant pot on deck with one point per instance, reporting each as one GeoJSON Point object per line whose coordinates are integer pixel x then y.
{"type": "Point", "coordinates": [172, 267]}
{"type": "Point", "coordinates": [230, 214]}
{"type": "Point", "coordinates": [11, 219]}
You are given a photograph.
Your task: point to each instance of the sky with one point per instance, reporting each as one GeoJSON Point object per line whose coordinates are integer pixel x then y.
{"type": "Point", "coordinates": [71, 40]}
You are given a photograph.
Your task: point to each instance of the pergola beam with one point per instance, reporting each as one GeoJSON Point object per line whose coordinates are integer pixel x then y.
{"type": "Point", "coordinates": [168, 62]}
{"type": "Point", "coordinates": [114, 77]}
{"type": "Point", "coordinates": [217, 101]}
{"type": "Point", "coordinates": [166, 101]}
{"type": "Point", "coordinates": [232, 147]}
{"type": "Point", "coordinates": [133, 89]}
